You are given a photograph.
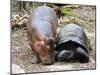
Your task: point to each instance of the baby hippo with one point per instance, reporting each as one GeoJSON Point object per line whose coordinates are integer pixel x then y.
{"type": "Point", "coordinates": [72, 43]}
{"type": "Point", "coordinates": [41, 31]}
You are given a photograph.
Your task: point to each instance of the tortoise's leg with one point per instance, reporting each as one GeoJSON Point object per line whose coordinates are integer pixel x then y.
{"type": "Point", "coordinates": [82, 55]}
{"type": "Point", "coordinates": [55, 55]}
{"type": "Point", "coordinates": [64, 55]}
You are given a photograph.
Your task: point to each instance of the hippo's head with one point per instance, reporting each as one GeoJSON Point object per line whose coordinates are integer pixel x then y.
{"type": "Point", "coordinates": [45, 50]}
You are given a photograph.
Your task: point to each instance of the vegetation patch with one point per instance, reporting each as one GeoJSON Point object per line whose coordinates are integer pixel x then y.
{"type": "Point", "coordinates": [67, 11]}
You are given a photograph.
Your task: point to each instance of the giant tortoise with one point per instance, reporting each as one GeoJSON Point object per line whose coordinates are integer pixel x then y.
{"type": "Point", "coordinates": [72, 43]}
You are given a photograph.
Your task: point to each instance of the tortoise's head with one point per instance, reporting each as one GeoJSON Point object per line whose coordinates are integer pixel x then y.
{"type": "Point", "coordinates": [64, 55]}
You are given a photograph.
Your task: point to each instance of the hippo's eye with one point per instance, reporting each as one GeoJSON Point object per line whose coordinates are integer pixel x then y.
{"type": "Point", "coordinates": [50, 44]}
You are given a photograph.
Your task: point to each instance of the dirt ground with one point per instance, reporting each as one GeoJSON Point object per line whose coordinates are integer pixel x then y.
{"type": "Point", "coordinates": [21, 53]}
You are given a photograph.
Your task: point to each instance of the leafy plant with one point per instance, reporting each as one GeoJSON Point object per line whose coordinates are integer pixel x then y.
{"type": "Point", "coordinates": [67, 11]}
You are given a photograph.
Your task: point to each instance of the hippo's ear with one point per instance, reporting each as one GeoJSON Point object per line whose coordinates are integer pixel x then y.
{"type": "Point", "coordinates": [38, 47]}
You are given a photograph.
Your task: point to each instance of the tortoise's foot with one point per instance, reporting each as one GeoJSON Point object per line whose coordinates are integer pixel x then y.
{"type": "Point", "coordinates": [82, 55]}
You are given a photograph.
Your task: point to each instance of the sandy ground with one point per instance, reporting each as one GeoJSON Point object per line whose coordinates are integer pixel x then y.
{"type": "Point", "coordinates": [21, 53]}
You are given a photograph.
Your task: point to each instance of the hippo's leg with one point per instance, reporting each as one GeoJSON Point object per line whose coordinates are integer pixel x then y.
{"type": "Point", "coordinates": [82, 55]}
{"type": "Point", "coordinates": [64, 55]}
{"type": "Point", "coordinates": [36, 59]}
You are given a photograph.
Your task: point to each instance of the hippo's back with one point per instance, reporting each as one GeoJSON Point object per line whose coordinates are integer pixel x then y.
{"type": "Point", "coordinates": [44, 20]}
{"type": "Point", "coordinates": [44, 13]}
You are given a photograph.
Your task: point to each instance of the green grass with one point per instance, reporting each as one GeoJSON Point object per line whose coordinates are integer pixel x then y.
{"type": "Point", "coordinates": [66, 11]}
